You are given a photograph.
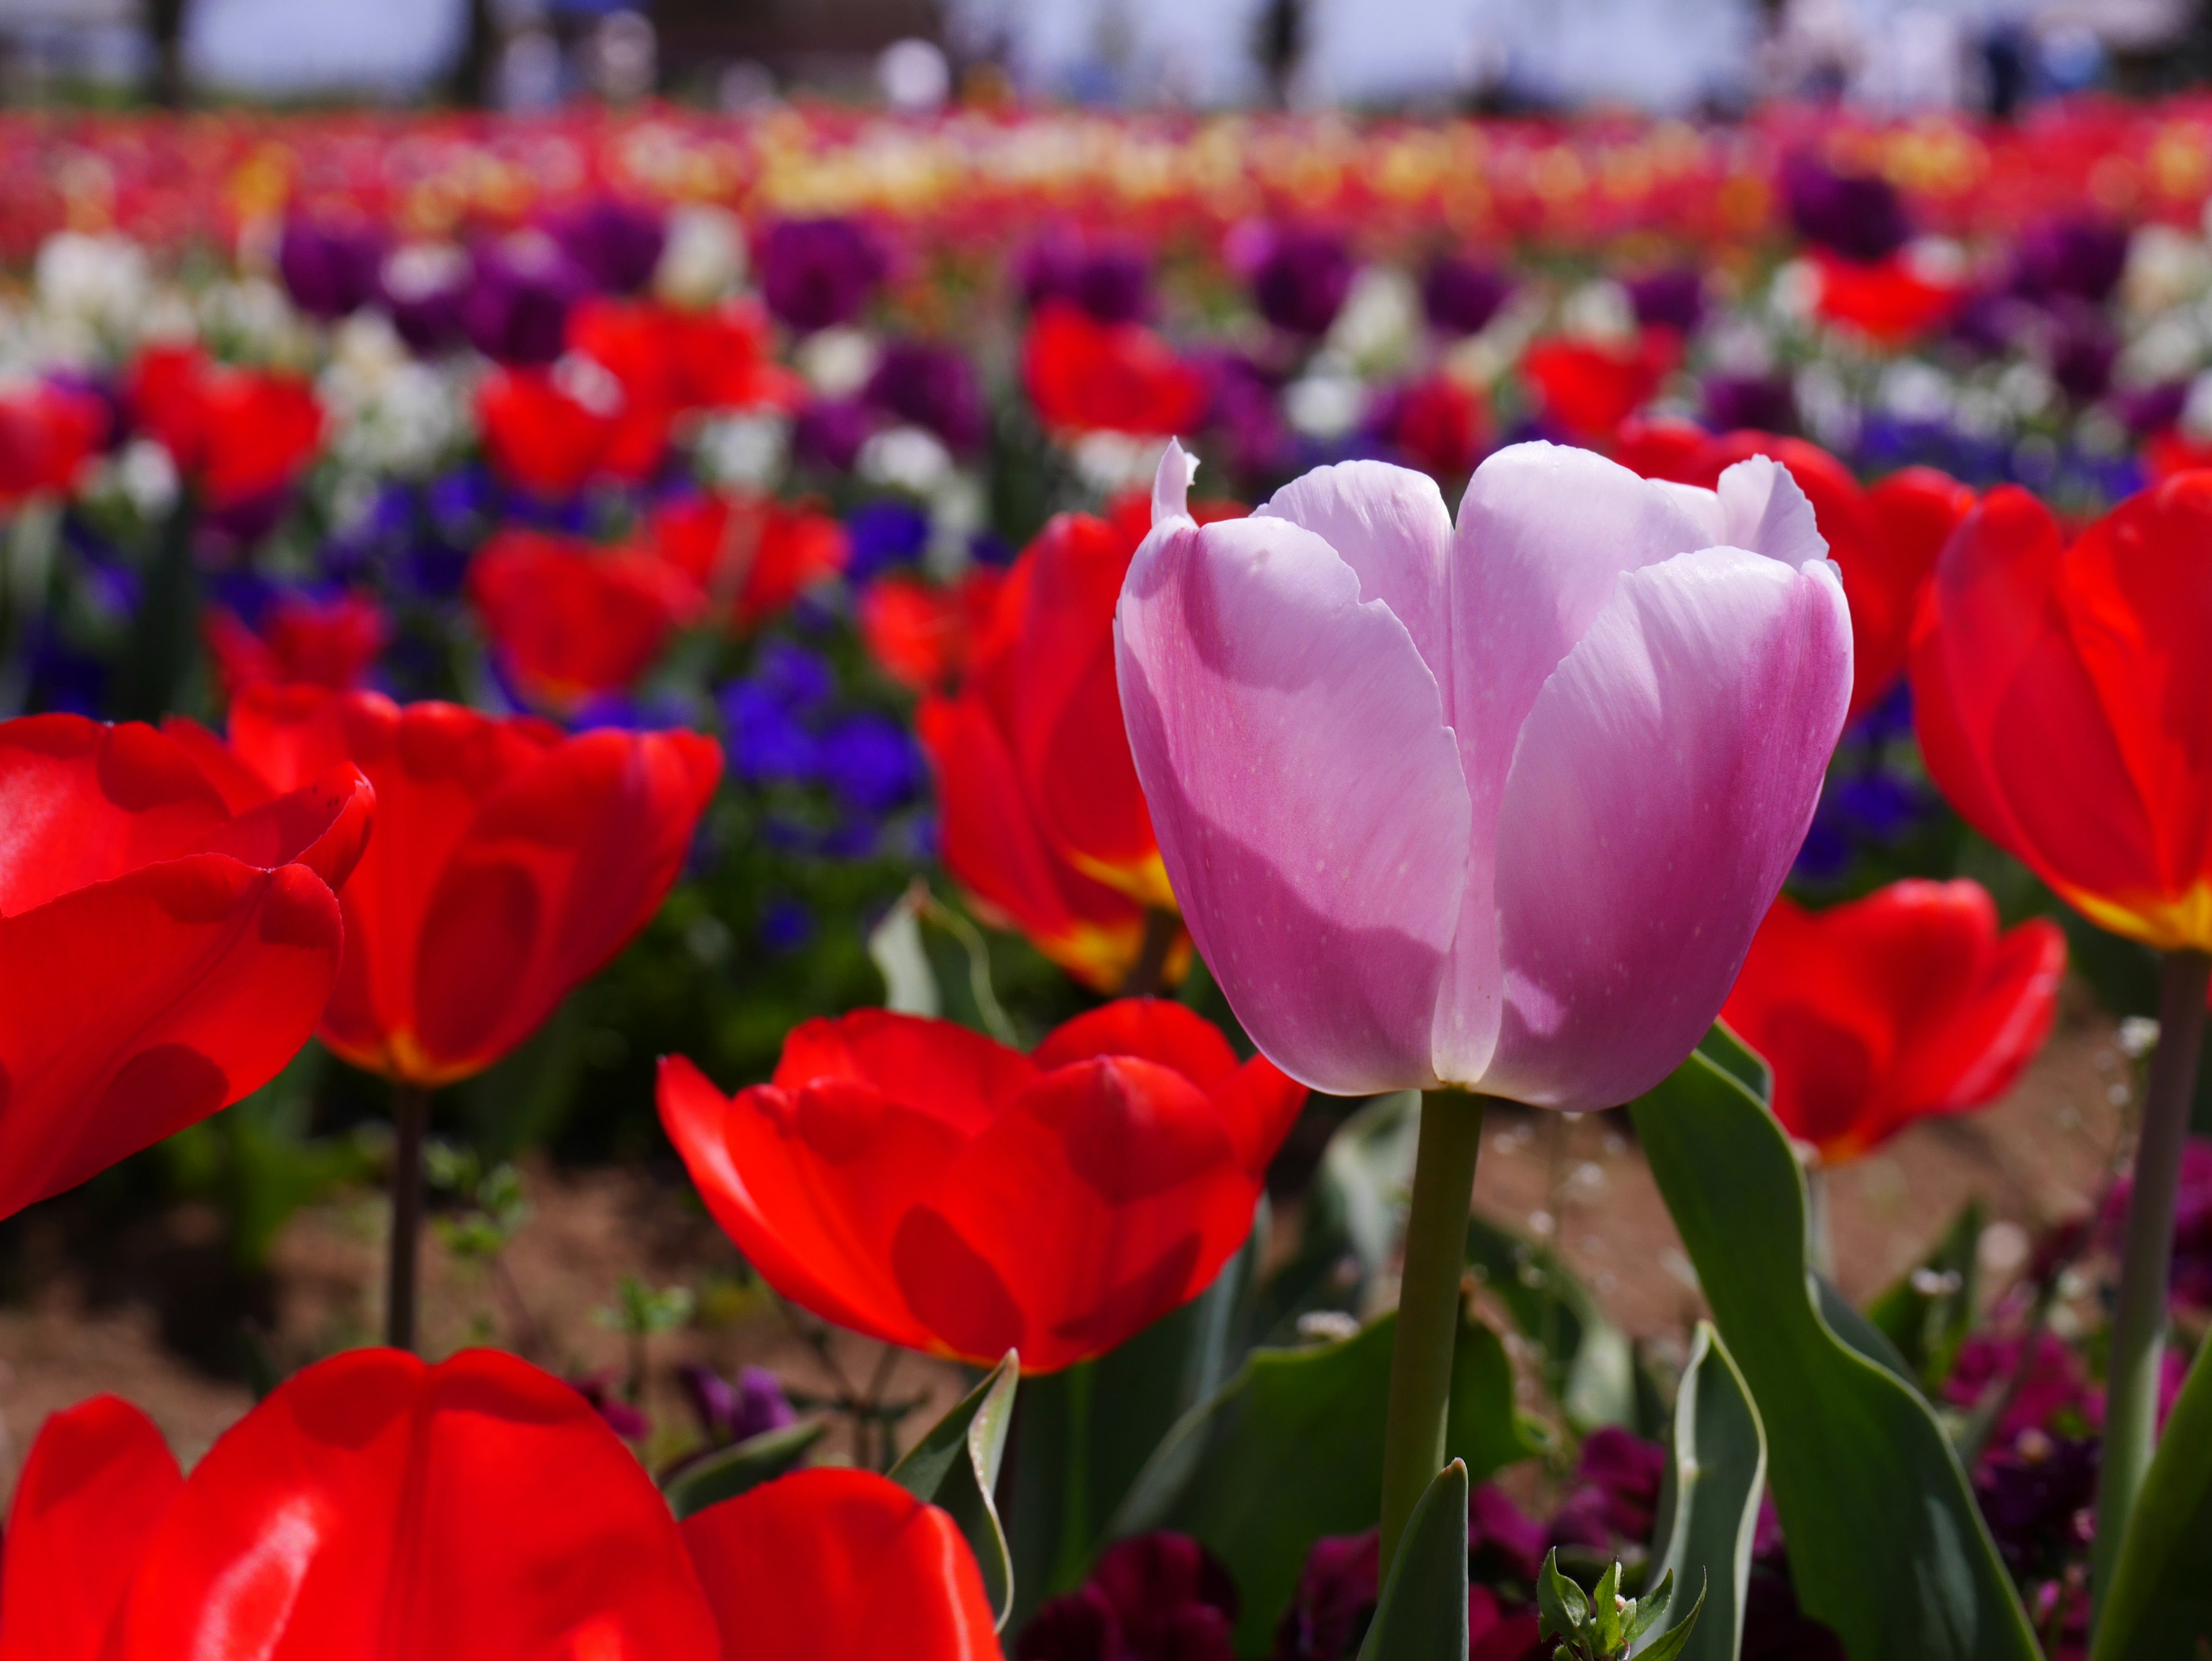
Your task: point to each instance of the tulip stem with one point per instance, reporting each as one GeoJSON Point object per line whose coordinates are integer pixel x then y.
{"type": "Point", "coordinates": [410, 1120]}
{"type": "Point", "coordinates": [1150, 969]}
{"type": "Point", "coordinates": [1428, 1306]}
{"type": "Point", "coordinates": [2139, 1321]}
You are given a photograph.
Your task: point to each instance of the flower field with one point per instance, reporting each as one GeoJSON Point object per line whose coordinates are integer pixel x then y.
{"type": "Point", "coordinates": [1046, 737]}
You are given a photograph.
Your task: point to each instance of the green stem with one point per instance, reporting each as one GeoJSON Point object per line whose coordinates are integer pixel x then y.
{"type": "Point", "coordinates": [1428, 1306]}
{"type": "Point", "coordinates": [411, 1121]}
{"type": "Point", "coordinates": [1150, 969]}
{"type": "Point", "coordinates": [2146, 1254]}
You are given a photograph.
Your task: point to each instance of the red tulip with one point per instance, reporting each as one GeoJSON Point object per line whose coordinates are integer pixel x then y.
{"type": "Point", "coordinates": [676, 360]}
{"type": "Point", "coordinates": [1440, 424]}
{"type": "Point", "coordinates": [913, 1180]}
{"type": "Point", "coordinates": [1590, 388]}
{"type": "Point", "coordinates": [237, 433]}
{"type": "Point", "coordinates": [320, 642]}
{"type": "Point", "coordinates": [925, 635]}
{"type": "Point", "coordinates": [1087, 376]}
{"type": "Point", "coordinates": [479, 1510]}
{"type": "Point", "coordinates": [2058, 696]}
{"type": "Point", "coordinates": [751, 555]}
{"type": "Point", "coordinates": [46, 435]}
{"type": "Point", "coordinates": [572, 622]}
{"type": "Point", "coordinates": [1888, 301]}
{"type": "Point", "coordinates": [551, 431]}
{"type": "Point", "coordinates": [160, 955]}
{"type": "Point", "coordinates": [1895, 1007]}
{"type": "Point", "coordinates": [1884, 540]}
{"type": "Point", "coordinates": [510, 862]}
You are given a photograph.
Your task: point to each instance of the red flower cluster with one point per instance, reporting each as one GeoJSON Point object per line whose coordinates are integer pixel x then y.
{"type": "Point", "coordinates": [913, 1180]}
{"type": "Point", "coordinates": [302, 641]}
{"type": "Point", "coordinates": [163, 951]}
{"type": "Point", "coordinates": [571, 621]}
{"type": "Point", "coordinates": [476, 1510]}
{"type": "Point", "coordinates": [750, 556]}
{"type": "Point", "coordinates": [237, 435]}
{"type": "Point", "coordinates": [509, 863]}
{"type": "Point", "coordinates": [1589, 387]}
{"type": "Point", "coordinates": [1891, 1009]}
{"type": "Point", "coordinates": [46, 434]}
{"type": "Point", "coordinates": [1084, 376]}
{"type": "Point", "coordinates": [2056, 691]}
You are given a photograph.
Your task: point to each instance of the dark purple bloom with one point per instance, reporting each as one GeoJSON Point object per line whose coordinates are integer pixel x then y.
{"type": "Point", "coordinates": [1152, 1598]}
{"type": "Point", "coordinates": [1858, 215]}
{"type": "Point", "coordinates": [930, 385]}
{"type": "Point", "coordinates": [2082, 258]}
{"type": "Point", "coordinates": [768, 744]}
{"type": "Point", "coordinates": [516, 306]}
{"type": "Point", "coordinates": [2053, 1391]}
{"type": "Point", "coordinates": [329, 270]}
{"type": "Point", "coordinates": [1111, 280]}
{"type": "Point", "coordinates": [1993, 323]}
{"type": "Point", "coordinates": [1461, 297]}
{"type": "Point", "coordinates": [616, 243]}
{"type": "Point", "coordinates": [622, 1416]}
{"type": "Point", "coordinates": [1243, 411]}
{"type": "Point", "coordinates": [1673, 299]}
{"type": "Point", "coordinates": [796, 678]}
{"type": "Point", "coordinates": [1763, 403]}
{"type": "Point", "coordinates": [1616, 1493]}
{"type": "Point", "coordinates": [1300, 282]}
{"type": "Point", "coordinates": [1776, 1630]}
{"type": "Point", "coordinates": [1335, 1601]}
{"type": "Point", "coordinates": [422, 289]}
{"type": "Point", "coordinates": [818, 272]}
{"type": "Point", "coordinates": [785, 925]}
{"type": "Point", "coordinates": [2153, 408]}
{"type": "Point", "coordinates": [884, 534]}
{"type": "Point", "coordinates": [730, 1412]}
{"type": "Point", "coordinates": [872, 763]}
{"type": "Point", "coordinates": [2082, 349]}
{"type": "Point", "coordinates": [1503, 1541]}
{"type": "Point", "coordinates": [2035, 1492]}
{"type": "Point", "coordinates": [830, 432]}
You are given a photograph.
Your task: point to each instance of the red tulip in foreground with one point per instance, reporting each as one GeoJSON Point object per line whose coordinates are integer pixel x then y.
{"type": "Point", "coordinates": [512, 862]}
{"type": "Point", "coordinates": [373, 1508]}
{"type": "Point", "coordinates": [163, 953]}
{"type": "Point", "coordinates": [913, 1180]}
{"type": "Point", "coordinates": [1044, 821]}
{"type": "Point", "coordinates": [2063, 695]}
{"type": "Point", "coordinates": [1889, 1009]}
{"type": "Point", "coordinates": [1497, 810]}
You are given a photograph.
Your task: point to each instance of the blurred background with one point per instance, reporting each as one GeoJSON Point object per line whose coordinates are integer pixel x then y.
{"type": "Point", "coordinates": [1712, 56]}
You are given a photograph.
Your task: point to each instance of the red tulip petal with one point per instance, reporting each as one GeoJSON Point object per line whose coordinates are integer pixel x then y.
{"type": "Point", "coordinates": [134, 1007]}
{"type": "Point", "coordinates": [992, 843]}
{"type": "Point", "coordinates": [1914, 511]}
{"type": "Point", "coordinates": [98, 1482]}
{"type": "Point", "coordinates": [374, 1508]}
{"type": "Point", "coordinates": [82, 803]}
{"type": "Point", "coordinates": [840, 1565]}
{"type": "Point", "coordinates": [1258, 1103]}
{"type": "Point", "coordinates": [573, 621]}
{"type": "Point", "coordinates": [816, 1227]}
{"type": "Point", "coordinates": [952, 1073]}
{"type": "Point", "coordinates": [1154, 1028]}
{"type": "Point", "coordinates": [323, 826]}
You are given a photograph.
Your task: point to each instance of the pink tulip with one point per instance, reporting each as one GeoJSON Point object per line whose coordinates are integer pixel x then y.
{"type": "Point", "coordinates": [1498, 808]}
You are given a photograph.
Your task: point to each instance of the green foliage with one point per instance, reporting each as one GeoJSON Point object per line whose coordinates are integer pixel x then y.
{"type": "Point", "coordinates": [723, 1474]}
{"type": "Point", "coordinates": [1602, 1625]}
{"type": "Point", "coordinates": [1709, 1504]}
{"type": "Point", "coordinates": [955, 1465]}
{"type": "Point", "coordinates": [2159, 1604]}
{"type": "Point", "coordinates": [1928, 1312]}
{"type": "Point", "coordinates": [641, 1309]}
{"type": "Point", "coordinates": [1887, 1545]}
{"type": "Point", "coordinates": [1585, 1361]}
{"type": "Point", "coordinates": [1421, 1615]}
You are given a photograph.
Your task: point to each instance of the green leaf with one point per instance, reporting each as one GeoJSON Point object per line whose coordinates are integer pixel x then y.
{"type": "Point", "coordinates": [955, 1465]}
{"type": "Point", "coordinates": [1422, 1614]}
{"type": "Point", "coordinates": [1708, 1511]}
{"type": "Point", "coordinates": [1885, 1543]}
{"type": "Point", "coordinates": [2159, 1604]}
{"type": "Point", "coordinates": [1354, 1213]}
{"type": "Point", "coordinates": [1927, 1312]}
{"type": "Point", "coordinates": [1087, 1431]}
{"type": "Point", "coordinates": [1605, 1609]}
{"type": "Point", "coordinates": [1587, 1362]}
{"type": "Point", "coordinates": [1561, 1607]}
{"type": "Point", "coordinates": [1738, 1060]}
{"type": "Point", "coordinates": [1290, 1449]}
{"type": "Point", "coordinates": [1674, 1641]}
{"type": "Point", "coordinates": [725, 1473]}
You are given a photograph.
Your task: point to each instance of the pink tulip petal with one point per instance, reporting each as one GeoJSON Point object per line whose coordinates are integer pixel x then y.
{"type": "Point", "coordinates": [1390, 525]}
{"type": "Point", "coordinates": [1766, 512]}
{"type": "Point", "coordinates": [1662, 785]}
{"type": "Point", "coordinates": [1544, 533]}
{"type": "Point", "coordinates": [1307, 794]}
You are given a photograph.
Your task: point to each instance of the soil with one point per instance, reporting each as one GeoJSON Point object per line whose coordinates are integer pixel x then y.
{"type": "Point", "coordinates": [152, 1315]}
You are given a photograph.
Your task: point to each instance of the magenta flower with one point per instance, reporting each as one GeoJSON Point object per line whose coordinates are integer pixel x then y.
{"type": "Point", "coordinates": [1498, 808]}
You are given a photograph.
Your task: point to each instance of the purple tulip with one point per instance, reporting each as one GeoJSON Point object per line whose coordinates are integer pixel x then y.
{"type": "Point", "coordinates": [423, 287]}
{"type": "Point", "coordinates": [1763, 403]}
{"type": "Point", "coordinates": [932, 386]}
{"type": "Point", "coordinates": [830, 432]}
{"type": "Point", "coordinates": [329, 270]}
{"type": "Point", "coordinates": [617, 244]}
{"type": "Point", "coordinates": [2153, 408]}
{"type": "Point", "coordinates": [1672, 299]}
{"type": "Point", "coordinates": [1461, 297]}
{"type": "Point", "coordinates": [1111, 280]}
{"type": "Point", "coordinates": [730, 1413]}
{"type": "Point", "coordinates": [1300, 280]}
{"type": "Point", "coordinates": [2081, 349]}
{"type": "Point", "coordinates": [1855, 215]}
{"type": "Point", "coordinates": [816, 273]}
{"type": "Point", "coordinates": [2082, 258]}
{"type": "Point", "coordinates": [1502, 810]}
{"type": "Point", "coordinates": [516, 306]}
